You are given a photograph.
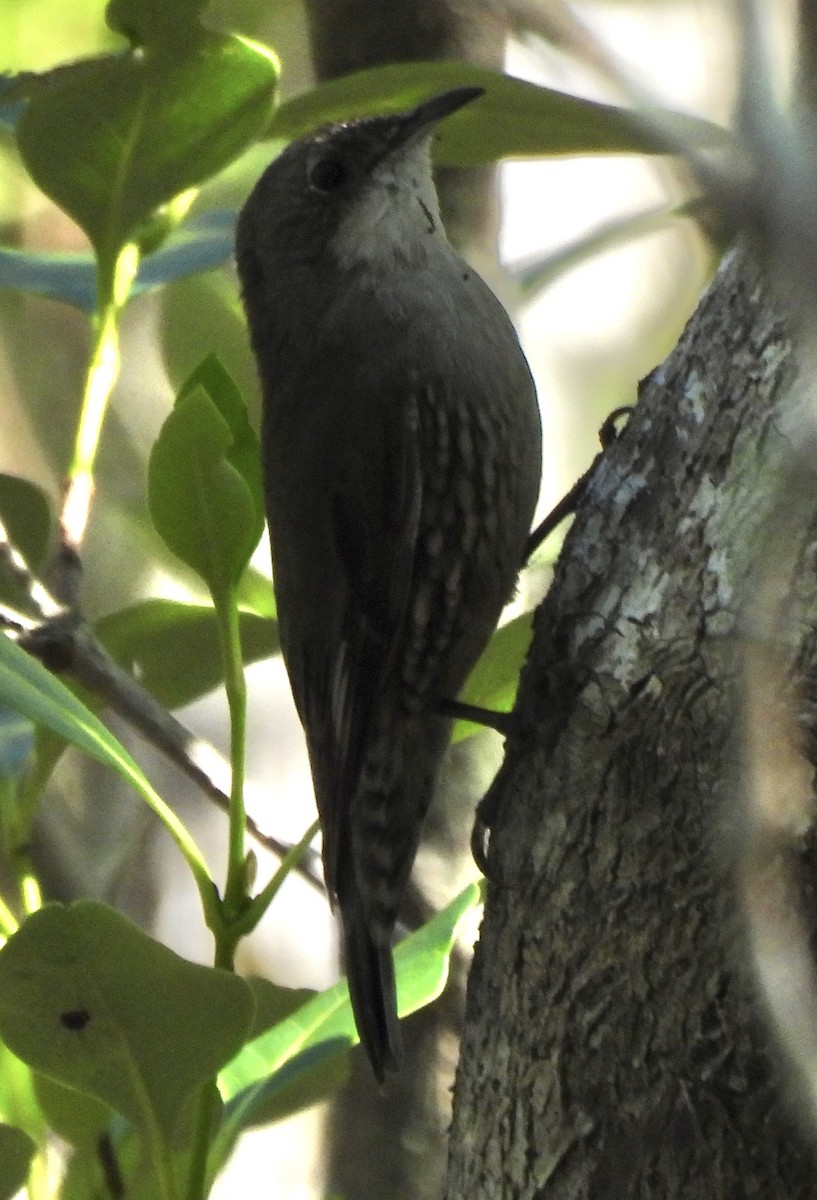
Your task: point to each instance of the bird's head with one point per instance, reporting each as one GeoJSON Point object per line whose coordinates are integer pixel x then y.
{"type": "Point", "coordinates": [357, 194]}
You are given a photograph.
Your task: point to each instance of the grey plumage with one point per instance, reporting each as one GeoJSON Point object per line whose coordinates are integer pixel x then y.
{"type": "Point", "coordinates": [402, 453]}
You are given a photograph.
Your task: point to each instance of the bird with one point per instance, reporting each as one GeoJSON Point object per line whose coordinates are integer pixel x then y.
{"type": "Point", "coordinates": [401, 449]}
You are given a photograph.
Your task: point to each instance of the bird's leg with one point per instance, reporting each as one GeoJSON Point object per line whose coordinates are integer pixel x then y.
{"type": "Point", "coordinates": [460, 710]}
{"type": "Point", "coordinates": [503, 722]}
{"type": "Point", "coordinates": [568, 504]}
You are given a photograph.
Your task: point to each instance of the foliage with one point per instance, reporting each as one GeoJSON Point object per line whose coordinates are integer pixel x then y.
{"type": "Point", "coordinates": [96, 1041]}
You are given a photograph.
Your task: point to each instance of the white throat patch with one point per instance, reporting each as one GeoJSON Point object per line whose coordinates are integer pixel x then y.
{"type": "Point", "coordinates": [396, 220]}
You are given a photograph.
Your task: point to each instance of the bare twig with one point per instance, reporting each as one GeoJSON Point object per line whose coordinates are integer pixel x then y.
{"type": "Point", "coordinates": [560, 27]}
{"type": "Point", "coordinates": [64, 642]}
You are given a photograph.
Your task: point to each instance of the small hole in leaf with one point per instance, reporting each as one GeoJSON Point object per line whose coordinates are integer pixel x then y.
{"type": "Point", "coordinates": [75, 1019]}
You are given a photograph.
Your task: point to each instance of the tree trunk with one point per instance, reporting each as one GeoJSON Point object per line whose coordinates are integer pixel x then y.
{"type": "Point", "coordinates": [614, 1043]}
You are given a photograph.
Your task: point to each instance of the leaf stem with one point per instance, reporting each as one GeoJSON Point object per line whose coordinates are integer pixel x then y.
{"type": "Point", "coordinates": [197, 1181]}
{"type": "Point", "coordinates": [260, 903]}
{"type": "Point", "coordinates": [114, 286]}
{"type": "Point", "coordinates": [183, 839]}
{"type": "Point", "coordinates": [235, 891]}
{"type": "Point", "coordinates": [229, 929]}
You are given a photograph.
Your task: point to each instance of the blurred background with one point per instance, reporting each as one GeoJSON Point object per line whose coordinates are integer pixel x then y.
{"type": "Point", "coordinates": [598, 327]}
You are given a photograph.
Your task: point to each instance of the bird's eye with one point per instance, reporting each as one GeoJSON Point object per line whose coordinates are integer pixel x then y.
{"type": "Point", "coordinates": [327, 175]}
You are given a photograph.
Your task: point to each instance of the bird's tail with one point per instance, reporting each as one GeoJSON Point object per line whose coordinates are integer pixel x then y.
{"type": "Point", "coordinates": [385, 817]}
{"type": "Point", "coordinates": [370, 971]}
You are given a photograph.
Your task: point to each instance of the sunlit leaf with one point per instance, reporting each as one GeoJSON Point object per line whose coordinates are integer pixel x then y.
{"type": "Point", "coordinates": [494, 680]}
{"type": "Point", "coordinates": [199, 501]}
{"type": "Point", "coordinates": [18, 1101]}
{"type": "Point", "coordinates": [288, 1054]}
{"type": "Point", "coordinates": [78, 1118]}
{"type": "Point", "coordinates": [27, 687]}
{"type": "Point", "coordinates": [255, 594]}
{"type": "Point", "coordinates": [245, 452]}
{"type": "Point", "coordinates": [514, 119]}
{"type": "Point", "coordinates": [113, 139]}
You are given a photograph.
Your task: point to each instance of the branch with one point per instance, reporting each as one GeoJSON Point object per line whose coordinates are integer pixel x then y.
{"type": "Point", "coordinates": [60, 637]}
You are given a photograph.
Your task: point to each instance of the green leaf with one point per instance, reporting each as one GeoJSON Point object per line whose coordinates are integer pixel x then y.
{"type": "Point", "coordinates": [156, 228]}
{"type": "Point", "coordinates": [245, 452]}
{"type": "Point", "coordinates": [205, 488]}
{"type": "Point", "coordinates": [514, 119]}
{"type": "Point", "coordinates": [310, 1078]}
{"type": "Point", "coordinates": [307, 1079]}
{"type": "Point", "coordinates": [174, 648]}
{"type": "Point", "coordinates": [200, 312]}
{"type": "Point", "coordinates": [199, 502]}
{"type": "Point", "coordinates": [94, 1173]}
{"type": "Point", "coordinates": [255, 594]}
{"type": "Point", "coordinates": [18, 1101]}
{"type": "Point", "coordinates": [118, 1164]}
{"type": "Point", "coordinates": [76, 1117]}
{"type": "Point", "coordinates": [203, 242]}
{"type": "Point", "coordinates": [421, 960]}
{"type": "Point", "coordinates": [27, 687]}
{"type": "Point", "coordinates": [16, 743]}
{"type": "Point", "coordinates": [91, 1001]}
{"type": "Point", "coordinates": [16, 1152]}
{"type": "Point", "coordinates": [274, 1003]}
{"type": "Point", "coordinates": [494, 680]}
{"type": "Point", "coordinates": [294, 1050]}
{"type": "Point", "coordinates": [25, 510]}
{"type": "Point", "coordinates": [114, 138]}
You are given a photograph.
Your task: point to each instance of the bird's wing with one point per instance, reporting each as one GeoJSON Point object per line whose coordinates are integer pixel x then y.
{"type": "Point", "coordinates": [374, 497]}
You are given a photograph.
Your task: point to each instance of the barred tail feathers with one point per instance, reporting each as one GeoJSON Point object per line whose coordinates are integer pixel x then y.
{"type": "Point", "coordinates": [370, 971]}
{"type": "Point", "coordinates": [370, 886]}
{"type": "Point", "coordinates": [385, 819]}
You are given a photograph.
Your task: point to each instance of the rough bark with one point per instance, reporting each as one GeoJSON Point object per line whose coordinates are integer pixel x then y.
{"type": "Point", "coordinates": [614, 1043]}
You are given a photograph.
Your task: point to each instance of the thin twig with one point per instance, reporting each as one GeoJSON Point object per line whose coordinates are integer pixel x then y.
{"type": "Point", "coordinates": [558, 25]}
{"type": "Point", "coordinates": [68, 644]}
{"type": "Point", "coordinates": [95, 669]}
{"type": "Point", "coordinates": [61, 639]}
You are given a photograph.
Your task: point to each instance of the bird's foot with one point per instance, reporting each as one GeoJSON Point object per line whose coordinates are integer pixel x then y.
{"type": "Point", "coordinates": [608, 433]}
